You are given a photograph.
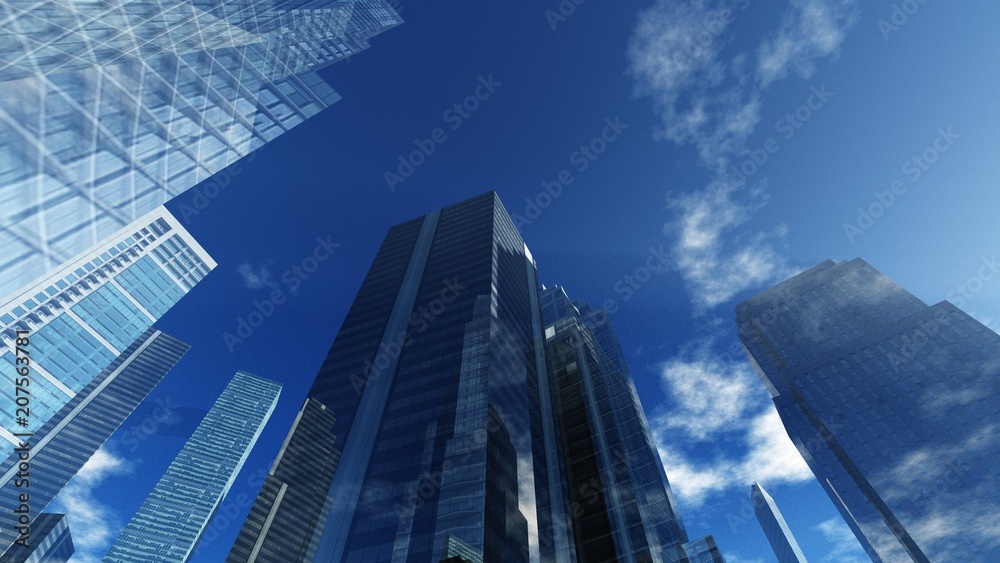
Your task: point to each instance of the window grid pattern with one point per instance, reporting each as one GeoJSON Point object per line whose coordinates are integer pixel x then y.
{"type": "Point", "coordinates": [109, 109]}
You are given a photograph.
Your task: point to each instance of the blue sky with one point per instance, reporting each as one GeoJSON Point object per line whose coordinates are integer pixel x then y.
{"type": "Point", "coordinates": [824, 105]}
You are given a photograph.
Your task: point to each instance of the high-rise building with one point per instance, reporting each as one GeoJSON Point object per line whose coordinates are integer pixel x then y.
{"type": "Point", "coordinates": [450, 425]}
{"type": "Point", "coordinates": [63, 445]}
{"type": "Point", "coordinates": [169, 523]}
{"type": "Point", "coordinates": [52, 543]}
{"type": "Point", "coordinates": [108, 110]}
{"type": "Point", "coordinates": [892, 403]}
{"type": "Point", "coordinates": [786, 549]}
{"type": "Point", "coordinates": [703, 550]}
{"type": "Point", "coordinates": [285, 521]}
{"type": "Point", "coordinates": [85, 313]}
{"type": "Point", "coordinates": [615, 493]}
{"type": "Point", "coordinates": [432, 379]}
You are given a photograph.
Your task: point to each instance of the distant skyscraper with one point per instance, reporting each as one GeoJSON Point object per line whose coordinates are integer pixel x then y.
{"type": "Point", "coordinates": [108, 110]}
{"type": "Point", "coordinates": [892, 403]}
{"type": "Point", "coordinates": [786, 549]}
{"type": "Point", "coordinates": [52, 542]}
{"type": "Point", "coordinates": [169, 523]}
{"type": "Point", "coordinates": [615, 493]}
{"type": "Point", "coordinates": [450, 425]}
{"type": "Point", "coordinates": [64, 444]}
{"type": "Point", "coordinates": [703, 550]}
{"type": "Point", "coordinates": [82, 315]}
{"type": "Point", "coordinates": [290, 512]}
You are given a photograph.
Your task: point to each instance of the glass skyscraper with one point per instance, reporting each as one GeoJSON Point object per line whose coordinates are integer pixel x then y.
{"type": "Point", "coordinates": [85, 313]}
{"type": "Point", "coordinates": [432, 379]}
{"type": "Point", "coordinates": [109, 109]}
{"type": "Point", "coordinates": [703, 550]}
{"type": "Point", "coordinates": [169, 523]}
{"type": "Point", "coordinates": [53, 543]}
{"type": "Point", "coordinates": [457, 443]}
{"type": "Point", "coordinates": [290, 512]}
{"type": "Point", "coordinates": [64, 444]}
{"type": "Point", "coordinates": [614, 490]}
{"type": "Point", "coordinates": [892, 403]}
{"type": "Point", "coordinates": [786, 549]}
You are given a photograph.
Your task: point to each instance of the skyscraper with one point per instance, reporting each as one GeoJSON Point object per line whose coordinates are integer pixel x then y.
{"type": "Point", "coordinates": [786, 549]}
{"type": "Point", "coordinates": [52, 544]}
{"type": "Point", "coordinates": [64, 444]}
{"type": "Point", "coordinates": [285, 521]}
{"type": "Point", "coordinates": [703, 550]}
{"type": "Point", "coordinates": [431, 377]}
{"type": "Point", "coordinates": [85, 313]}
{"type": "Point", "coordinates": [614, 490]}
{"type": "Point", "coordinates": [108, 110]}
{"type": "Point", "coordinates": [169, 523]}
{"type": "Point", "coordinates": [892, 403]}
{"type": "Point", "coordinates": [457, 443]}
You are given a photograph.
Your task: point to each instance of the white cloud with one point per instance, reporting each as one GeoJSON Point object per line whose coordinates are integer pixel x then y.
{"type": "Point", "coordinates": [717, 400]}
{"type": "Point", "coordinates": [713, 269]}
{"type": "Point", "coordinates": [712, 101]}
{"type": "Point", "coordinates": [814, 29]}
{"type": "Point", "coordinates": [675, 58]}
{"type": "Point", "coordinates": [712, 395]}
{"type": "Point", "coordinates": [256, 278]}
{"type": "Point", "coordinates": [92, 524]}
{"type": "Point", "coordinates": [846, 548]}
{"type": "Point", "coordinates": [767, 455]}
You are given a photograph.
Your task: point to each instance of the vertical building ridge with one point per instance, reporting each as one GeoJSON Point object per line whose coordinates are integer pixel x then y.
{"type": "Point", "coordinates": [783, 543]}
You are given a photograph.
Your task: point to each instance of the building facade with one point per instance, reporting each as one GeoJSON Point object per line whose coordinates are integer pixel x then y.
{"type": "Point", "coordinates": [786, 549]}
{"type": "Point", "coordinates": [703, 550]}
{"type": "Point", "coordinates": [431, 378]}
{"type": "Point", "coordinates": [108, 110]}
{"type": "Point", "coordinates": [169, 523]}
{"type": "Point", "coordinates": [891, 402]}
{"type": "Point", "coordinates": [52, 544]}
{"type": "Point", "coordinates": [64, 444]}
{"type": "Point", "coordinates": [615, 493]}
{"type": "Point", "coordinates": [458, 444]}
{"type": "Point", "coordinates": [84, 314]}
{"type": "Point", "coordinates": [290, 511]}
